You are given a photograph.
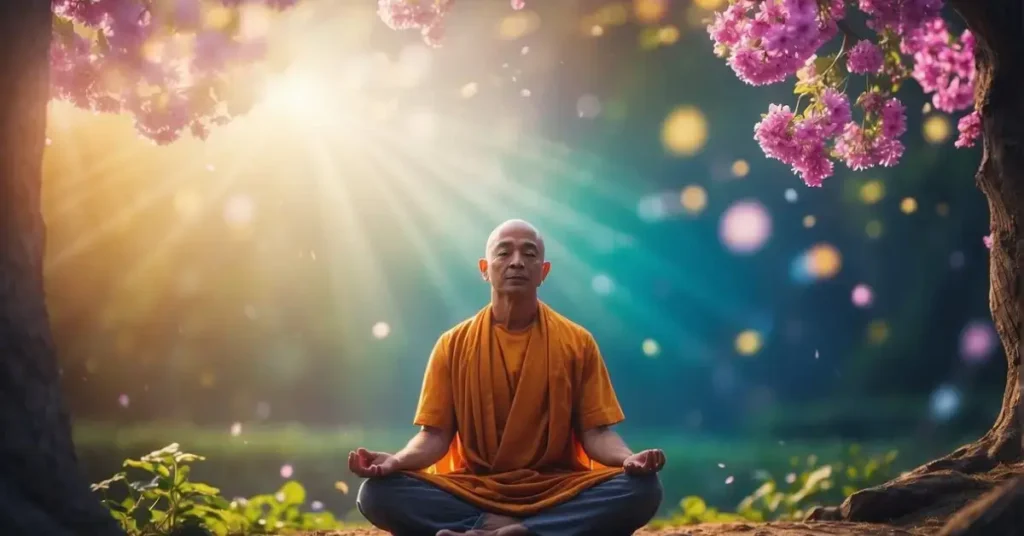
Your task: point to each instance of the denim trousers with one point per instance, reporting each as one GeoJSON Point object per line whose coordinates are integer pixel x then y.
{"type": "Point", "coordinates": [406, 506]}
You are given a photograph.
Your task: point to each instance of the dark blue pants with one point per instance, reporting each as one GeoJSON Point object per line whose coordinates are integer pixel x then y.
{"type": "Point", "coordinates": [406, 506]}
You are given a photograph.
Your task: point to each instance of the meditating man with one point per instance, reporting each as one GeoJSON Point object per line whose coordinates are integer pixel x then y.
{"type": "Point", "coordinates": [515, 416]}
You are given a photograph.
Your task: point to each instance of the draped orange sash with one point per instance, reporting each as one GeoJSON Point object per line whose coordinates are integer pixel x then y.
{"type": "Point", "coordinates": [515, 452]}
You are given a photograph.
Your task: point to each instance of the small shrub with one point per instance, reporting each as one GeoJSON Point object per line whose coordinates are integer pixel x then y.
{"type": "Point", "coordinates": [809, 484]}
{"type": "Point", "coordinates": [165, 502]}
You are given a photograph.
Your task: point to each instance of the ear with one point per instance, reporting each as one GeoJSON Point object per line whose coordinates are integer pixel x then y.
{"type": "Point", "coordinates": [544, 269]}
{"type": "Point", "coordinates": [482, 264]}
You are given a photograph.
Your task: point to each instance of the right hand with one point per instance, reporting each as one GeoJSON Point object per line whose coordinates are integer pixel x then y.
{"type": "Point", "coordinates": [370, 464]}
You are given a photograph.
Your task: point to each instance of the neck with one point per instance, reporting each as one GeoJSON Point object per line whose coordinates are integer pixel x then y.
{"type": "Point", "coordinates": [515, 312]}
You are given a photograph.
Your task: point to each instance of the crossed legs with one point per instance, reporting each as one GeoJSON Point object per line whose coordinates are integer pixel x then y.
{"type": "Point", "coordinates": [406, 506]}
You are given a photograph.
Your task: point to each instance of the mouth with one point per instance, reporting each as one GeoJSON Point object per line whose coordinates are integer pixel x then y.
{"type": "Point", "coordinates": [516, 278]}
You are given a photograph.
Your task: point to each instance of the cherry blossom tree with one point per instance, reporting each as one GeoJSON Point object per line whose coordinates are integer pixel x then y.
{"type": "Point", "coordinates": [175, 66]}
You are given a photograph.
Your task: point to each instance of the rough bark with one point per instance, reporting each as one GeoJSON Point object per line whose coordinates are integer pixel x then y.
{"type": "Point", "coordinates": [42, 490]}
{"type": "Point", "coordinates": [942, 486]}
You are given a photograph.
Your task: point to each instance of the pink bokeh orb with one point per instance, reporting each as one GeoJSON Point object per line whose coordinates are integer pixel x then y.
{"type": "Point", "coordinates": [977, 341]}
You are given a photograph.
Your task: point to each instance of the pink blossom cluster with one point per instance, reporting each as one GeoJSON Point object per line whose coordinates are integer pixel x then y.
{"type": "Point", "coordinates": [128, 61]}
{"type": "Point", "coordinates": [427, 16]}
{"type": "Point", "coordinates": [765, 42]}
{"type": "Point", "coordinates": [825, 130]}
{"type": "Point", "coordinates": [970, 130]}
{"type": "Point", "coordinates": [864, 58]}
{"type": "Point", "coordinates": [942, 65]}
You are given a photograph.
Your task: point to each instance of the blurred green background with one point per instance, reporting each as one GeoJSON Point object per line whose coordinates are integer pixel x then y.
{"type": "Point", "coordinates": [268, 298]}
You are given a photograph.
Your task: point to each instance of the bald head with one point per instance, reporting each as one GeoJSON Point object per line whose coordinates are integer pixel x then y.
{"type": "Point", "coordinates": [514, 258]}
{"type": "Point", "coordinates": [514, 227]}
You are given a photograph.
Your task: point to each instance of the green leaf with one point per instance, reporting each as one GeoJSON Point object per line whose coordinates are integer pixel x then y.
{"type": "Point", "coordinates": [149, 467]}
{"type": "Point", "coordinates": [199, 488]}
{"type": "Point", "coordinates": [292, 493]}
{"type": "Point", "coordinates": [184, 457]}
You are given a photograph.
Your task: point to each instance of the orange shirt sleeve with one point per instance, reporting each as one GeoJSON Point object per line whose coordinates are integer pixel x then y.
{"type": "Point", "coordinates": [436, 406]}
{"type": "Point", "coordinates": [597, 404]}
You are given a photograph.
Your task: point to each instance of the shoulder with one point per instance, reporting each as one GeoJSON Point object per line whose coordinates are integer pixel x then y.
{"type": "Point", "coordinates": [456, 337]}
{"type": "Point", "coordinates": [574, 336]}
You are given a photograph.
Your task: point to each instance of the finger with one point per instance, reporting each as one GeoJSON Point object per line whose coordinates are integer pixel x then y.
{"type": "Point", "coordinates": [659, 458]}
{"type": "Point", "coordinates": [375, 470]}
{"type": "Point", "coordinates": [649, 460]}
{"type": "Point", "coordinates": [352, 462]}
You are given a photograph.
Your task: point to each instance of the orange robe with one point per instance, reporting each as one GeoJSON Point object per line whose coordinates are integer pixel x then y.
{"type": "Point", "coordinates": [516, 401]}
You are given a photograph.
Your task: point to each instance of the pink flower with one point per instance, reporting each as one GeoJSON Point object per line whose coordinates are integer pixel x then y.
{"type": "Point", "coordinates": [987, 240]}
{"type": "Point", "coordinates": [518, 4]}
{"type": "Point", "coordinates": [865, 58]}
{"type": "Point", "coordinates": [765, 42]}
{"type": "Point", "coordinates": [970, 130]}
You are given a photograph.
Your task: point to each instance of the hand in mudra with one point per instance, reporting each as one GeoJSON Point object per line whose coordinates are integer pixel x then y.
{"type": "Point", "coordinates": [644, 462]}
{"type": "Point", "coordinates": [370, 464]}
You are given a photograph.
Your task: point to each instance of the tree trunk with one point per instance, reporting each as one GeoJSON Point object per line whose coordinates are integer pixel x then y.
{"type": "Point", "coordinates": [942, 486]}
{"type": "Point", "coordinates": [42, 490]}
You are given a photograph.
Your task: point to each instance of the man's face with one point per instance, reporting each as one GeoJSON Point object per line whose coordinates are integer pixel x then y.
{"type": "Point", "coordinates": [515, 260]}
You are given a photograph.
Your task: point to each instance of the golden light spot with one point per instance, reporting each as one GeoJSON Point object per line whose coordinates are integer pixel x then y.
{"type": "Point", "coordinates": [207, 379]}
{"type": "Point", "coordinates": [469, 90]}
{"type": "Point", "coordinates": [908, 205]}
{"type": "Point", "coordinates": [596, 31]}
{"type": "Point", "coordinates": [651, 348]}
{"type": "Point", "coordinates": [824, 261]}
{"type": "Point", "coordinates": [668, 35]}
{"type": "Point", "coordinates": [740, 168]}
{"type": "Point", "coordinates": [878, 331]}
{"type": "Point", "coordinates": [709, 4]}
{"type": "Point", "coordinates": [91, 365]}
{"type": "Point", "coordinates": [341, 486]}
{"type": "Point", "coordinates": [218, 17]}
{"type": "Point", "coordinates": [936, 128]}
{"type": "Point", "coordinates": [873, 229]}
{"type": "Point", "coordinates": [809, 221]}
{"type": "Point", "coordinates": [872, 192]}
{"type": "Point", "coordinates": [694, 198]}
{"type": "Point", "coordinates": [649, 11]}
{"type": "Point", "coordinates": [942, 209]}
{"type": "Point", "coordinates": [684, 131]}
{"type": "Point", "coordinates": [748, 342]}
{"type": "Point", "coordinates": [518, 24]}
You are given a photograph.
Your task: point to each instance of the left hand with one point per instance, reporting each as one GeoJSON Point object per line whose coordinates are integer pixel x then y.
{"type": "Point", "coordinates": [645, 462]}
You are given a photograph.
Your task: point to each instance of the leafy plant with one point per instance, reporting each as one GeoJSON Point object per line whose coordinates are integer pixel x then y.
{"type": "Point", "coordinates": [794, 495]}
{"type": "Point", "coordinates": [809, 484]}
{"type": "Point", "coordinates": [165, 501]}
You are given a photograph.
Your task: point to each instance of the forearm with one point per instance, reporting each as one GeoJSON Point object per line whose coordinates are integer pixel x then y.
{"type": "Point", "coordinates": [425, 448]}
{"type": "Point", "coordinates": [605, 446]}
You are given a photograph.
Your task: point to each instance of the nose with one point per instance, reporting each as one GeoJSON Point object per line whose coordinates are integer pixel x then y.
{"type": "Point", "coordinates": [517, 261]}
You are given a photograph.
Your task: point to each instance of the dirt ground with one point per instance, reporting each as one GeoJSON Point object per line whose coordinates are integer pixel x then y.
{"type": "Point", "coordinates": [740, 529]}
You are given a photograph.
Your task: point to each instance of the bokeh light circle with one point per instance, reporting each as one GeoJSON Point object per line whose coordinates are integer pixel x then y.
{"type": "Point", "coordinates": [978, 340]}
{"type": "Point", "coordinates": [685, 131]}
{"type": "Point", "coordinates": [651, 348]}
{"type": "Point", "coordinates": [745, 227]}
{"type": "Point", "coordinates": [381, 330]}
{"type": "Point", "coordinates": [862, 296]}
{"type": "Point", "coordinates": [694, 198]}
{"type": "Point", "coordinates": [748, 342]}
